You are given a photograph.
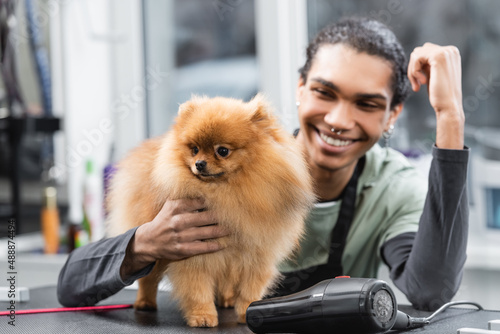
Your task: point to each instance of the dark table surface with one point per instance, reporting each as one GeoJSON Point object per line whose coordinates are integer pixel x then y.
{"type": "Point", "coordinates": [168, 318]}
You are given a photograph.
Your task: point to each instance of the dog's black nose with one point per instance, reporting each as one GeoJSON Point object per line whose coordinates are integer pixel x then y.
{"type": "Point", "coordinates": [200, 165]}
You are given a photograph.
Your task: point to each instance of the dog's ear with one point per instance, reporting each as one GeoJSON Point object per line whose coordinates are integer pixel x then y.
{"type": "Point", "coordinates": [189, 106]}
{"type": "Point", "coordinates": [186, 108]}
{"type": "Point", "coordinates": [261, 109]}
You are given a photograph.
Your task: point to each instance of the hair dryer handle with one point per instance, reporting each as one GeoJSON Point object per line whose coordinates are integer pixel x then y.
{"type": "Point", "coordinates": [292, 313]}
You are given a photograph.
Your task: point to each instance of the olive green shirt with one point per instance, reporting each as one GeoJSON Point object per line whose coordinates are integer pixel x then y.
{"type": "Point", "coordinates": [390, 199]}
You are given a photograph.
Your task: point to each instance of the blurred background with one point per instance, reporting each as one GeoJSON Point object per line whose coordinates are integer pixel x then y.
{"type": "Point", "coordinates": [93, 78]}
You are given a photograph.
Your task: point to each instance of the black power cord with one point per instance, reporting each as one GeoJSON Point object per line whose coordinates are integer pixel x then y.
{"type": "Point", "coordinates": [404, 321]}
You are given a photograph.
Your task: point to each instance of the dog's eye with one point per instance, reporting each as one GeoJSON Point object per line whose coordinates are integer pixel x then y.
{"type": "Point", "coordinates": [195, 150]}
{"type": "Point", "coordinates": [223, 151]}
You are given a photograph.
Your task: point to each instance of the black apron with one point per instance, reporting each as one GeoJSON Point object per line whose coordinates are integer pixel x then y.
{"type": "Point", "coordinates": [302, 279]}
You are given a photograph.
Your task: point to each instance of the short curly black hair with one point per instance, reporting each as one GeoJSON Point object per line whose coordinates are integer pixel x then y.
{"type": "Point", "coordinates": [369, 36]}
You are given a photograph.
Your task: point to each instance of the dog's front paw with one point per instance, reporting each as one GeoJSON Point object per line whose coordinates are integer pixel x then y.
{"type": "Point", "coordinates": [202, 320]}
{"type": "Point", "coordinates": [242, 319]}
{"type": "Point", "coordinates": [145, 305]}
{"type": "Point", "coordinates": [241, 311]}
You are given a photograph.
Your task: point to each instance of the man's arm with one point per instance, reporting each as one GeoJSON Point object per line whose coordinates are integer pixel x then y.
{"type": "Point", "coordinates": [427, 266]}
{"type": "Point", "coordinates": [92, 272]}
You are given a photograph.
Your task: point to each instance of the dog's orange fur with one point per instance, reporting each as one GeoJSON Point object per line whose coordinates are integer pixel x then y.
{"type": "Point", "coordinates": [262, 198]}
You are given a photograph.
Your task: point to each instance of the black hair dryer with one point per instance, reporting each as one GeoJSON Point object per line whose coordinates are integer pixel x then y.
{"type": "Point", "coordinates": [339, 305]}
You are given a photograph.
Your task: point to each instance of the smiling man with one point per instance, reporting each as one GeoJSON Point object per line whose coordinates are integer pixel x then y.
{"type": "Point", "coordinates": [373, 206]}
{"type": "Point", "coordinates": [348, 92]}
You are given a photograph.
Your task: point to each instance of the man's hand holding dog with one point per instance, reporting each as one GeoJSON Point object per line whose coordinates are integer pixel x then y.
{"type": "Point", "coordinates": [177, 232]}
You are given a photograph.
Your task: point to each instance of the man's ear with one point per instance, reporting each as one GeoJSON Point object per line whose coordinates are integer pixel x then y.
{"type": "Point", "coordinates": [393, 116]}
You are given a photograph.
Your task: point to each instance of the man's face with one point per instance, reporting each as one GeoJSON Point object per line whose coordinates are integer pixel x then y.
{"type": "Point", "coordinates": [349, 92]}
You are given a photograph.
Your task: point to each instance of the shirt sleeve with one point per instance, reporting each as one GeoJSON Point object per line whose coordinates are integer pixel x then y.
{"type": "Point", "coordinates": [428, 266]}
{"type": "Point", "coordinates": [92, 272]}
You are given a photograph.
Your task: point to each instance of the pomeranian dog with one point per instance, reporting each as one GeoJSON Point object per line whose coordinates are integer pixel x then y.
{"type": "Point", "coordinates": [249, 171]}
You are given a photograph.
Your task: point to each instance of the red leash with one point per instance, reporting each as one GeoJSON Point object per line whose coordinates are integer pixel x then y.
{"type": "Point", "coordinates": [69, 309]}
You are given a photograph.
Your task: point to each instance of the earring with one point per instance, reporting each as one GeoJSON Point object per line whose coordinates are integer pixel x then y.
{"type": "Point", "coordinates": [297, 104]}
{"type": "Point", "coordinates": [388, 134]}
